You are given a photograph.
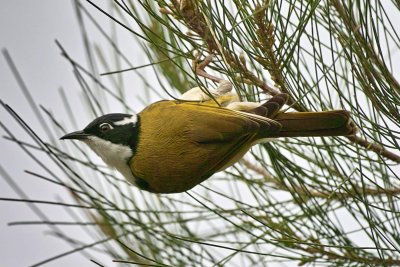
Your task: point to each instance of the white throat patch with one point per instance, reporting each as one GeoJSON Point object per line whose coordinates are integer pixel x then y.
{"type": "Point", "coordinates": [114, 155]}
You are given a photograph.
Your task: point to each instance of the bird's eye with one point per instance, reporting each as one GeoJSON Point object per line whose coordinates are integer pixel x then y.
{"type": "Point", "coordinates": [105, 127]}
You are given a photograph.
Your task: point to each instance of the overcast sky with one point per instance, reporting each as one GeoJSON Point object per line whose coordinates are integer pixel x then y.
{"type": "Point", "coordinates": [28, 30]}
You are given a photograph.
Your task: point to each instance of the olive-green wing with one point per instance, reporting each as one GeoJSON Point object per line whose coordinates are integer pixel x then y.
{"type": "Point", "coordinates": [223, 132]}
{"type": "Point", "coordinates": [182, 144]}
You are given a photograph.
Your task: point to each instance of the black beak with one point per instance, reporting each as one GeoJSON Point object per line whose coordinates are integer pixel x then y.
{"type": "Point", "coordinates": [79, 135]}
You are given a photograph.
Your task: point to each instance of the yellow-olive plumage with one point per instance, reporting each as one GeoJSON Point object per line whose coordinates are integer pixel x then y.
{"type": "Point", "coordinates": [181, 143]}
{"type": "Point", "coordinates": [178, 151]}
{"type": "Point", "coordinates": [171, 146]}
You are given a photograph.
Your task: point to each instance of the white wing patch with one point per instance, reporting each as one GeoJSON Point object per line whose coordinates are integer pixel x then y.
{"type": "Point", "coordinates": [131, 119]}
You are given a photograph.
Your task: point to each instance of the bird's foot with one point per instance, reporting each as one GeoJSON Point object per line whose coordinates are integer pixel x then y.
{"type": "Point", "coordinates": [199, 67]}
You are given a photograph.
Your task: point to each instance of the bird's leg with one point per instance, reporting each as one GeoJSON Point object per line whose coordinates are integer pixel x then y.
{"type": "Point", "coordinates": [199, 68]}
{"type": "Point", "coordinates": [199, 94]}
{"type": "Point", "coordinates": [226, 98]}
{"type": "Point", "coordinates": [224, 86]}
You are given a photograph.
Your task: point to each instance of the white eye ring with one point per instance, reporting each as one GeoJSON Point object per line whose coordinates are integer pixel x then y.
{"type": "Point", "coordinates": [105, 127]}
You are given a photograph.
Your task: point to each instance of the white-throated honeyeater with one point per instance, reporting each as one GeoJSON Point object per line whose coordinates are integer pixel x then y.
{"type": "Point", "coordinates": [171, 146]}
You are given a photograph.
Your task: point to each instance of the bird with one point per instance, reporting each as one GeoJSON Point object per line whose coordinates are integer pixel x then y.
{"type": "Point", "coordinates": [173, 145]}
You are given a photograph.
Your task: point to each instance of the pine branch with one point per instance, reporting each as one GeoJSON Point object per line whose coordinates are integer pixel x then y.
{"type": "Point", "coordinates": [299, 200]}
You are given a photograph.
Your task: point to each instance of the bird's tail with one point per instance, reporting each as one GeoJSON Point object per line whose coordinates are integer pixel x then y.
{"type": "Point", "coordinates": [325, 123]}
{"type": "Point", "coordinates": [297, 124]}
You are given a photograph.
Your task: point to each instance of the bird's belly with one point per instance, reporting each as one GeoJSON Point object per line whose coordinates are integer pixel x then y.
{"type": "Point", "coordinates": [236, 158]}
{"type": "Point", "coordinates": [171, 173]}
{"type": "Point", "coordinates": [179, 151]}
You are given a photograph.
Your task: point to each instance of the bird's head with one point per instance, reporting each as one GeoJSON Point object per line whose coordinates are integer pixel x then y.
{"type": "Point", "coordinates": [113, 137]}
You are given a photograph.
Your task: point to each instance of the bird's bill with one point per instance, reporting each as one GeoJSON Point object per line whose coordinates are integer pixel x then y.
{"type": "Point", "coordinates": [79, 135]}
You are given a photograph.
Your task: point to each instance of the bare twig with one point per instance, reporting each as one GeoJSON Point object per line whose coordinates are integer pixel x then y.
{"type": "Point", "coordinates": [195, 21]}
{"type": "Point", "coordinates": [269, 178]}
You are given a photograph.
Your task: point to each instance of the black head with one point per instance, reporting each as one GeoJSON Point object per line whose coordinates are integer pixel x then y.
{"type": "Point", "coordinates": [117, 128]}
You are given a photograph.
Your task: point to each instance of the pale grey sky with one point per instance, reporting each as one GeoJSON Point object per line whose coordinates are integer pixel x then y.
{"type": "Point", "coordinates": [28, 30]}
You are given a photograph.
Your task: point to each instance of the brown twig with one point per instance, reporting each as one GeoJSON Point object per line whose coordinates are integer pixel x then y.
{"type": "Point", "coordinates": [269, 178]}
{"type": "Point", "coordinates": [378, 149]}
{"type": "Point", "coordinates": [191, 15]}
{"type": "Point", "coordinates": [265, 42]}
{"type": "Point", "coordinates": [188, 12]}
